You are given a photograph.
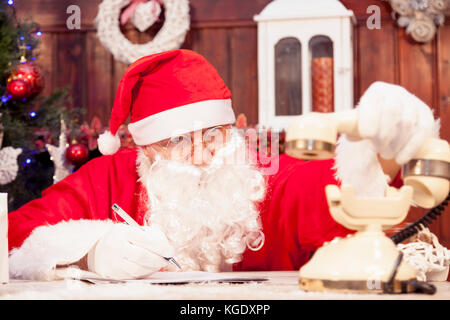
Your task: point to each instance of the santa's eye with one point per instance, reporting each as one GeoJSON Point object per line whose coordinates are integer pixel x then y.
{"type": "Point", "coordinates": [176, 139]}
{"type": "Point", "coordinates": [179, 141]}
{"type": "Point", "coordinates": [213, 130]}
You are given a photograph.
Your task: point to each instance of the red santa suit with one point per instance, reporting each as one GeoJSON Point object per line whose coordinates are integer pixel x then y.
{"type": "Point", "coordinates": [295, 216]}
{"type": "Point", "coordinates": [161, 93]}
{"type": "Point", "coordinates": [71, 216]}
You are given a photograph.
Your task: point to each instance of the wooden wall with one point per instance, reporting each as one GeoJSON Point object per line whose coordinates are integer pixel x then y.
{"type": "Point", "coordinates": [224, 32]}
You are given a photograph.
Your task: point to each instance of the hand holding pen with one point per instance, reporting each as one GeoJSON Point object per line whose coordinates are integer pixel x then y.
{"type": "Point", "coordinates": [126, 217]}
{"type": "Point", "coordinates": [128, 251]}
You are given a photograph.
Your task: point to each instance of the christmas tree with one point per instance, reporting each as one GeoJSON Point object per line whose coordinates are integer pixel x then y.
{"type": "Point", "coordinates": [28, 121]}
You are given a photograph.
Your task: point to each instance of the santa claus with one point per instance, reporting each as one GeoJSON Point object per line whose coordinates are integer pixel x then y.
{"type": "Point", "coordinates": [194, 195]}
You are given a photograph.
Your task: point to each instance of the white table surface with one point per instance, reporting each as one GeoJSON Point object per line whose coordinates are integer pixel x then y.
{"type": "Point", "coordinates": [282, 285]}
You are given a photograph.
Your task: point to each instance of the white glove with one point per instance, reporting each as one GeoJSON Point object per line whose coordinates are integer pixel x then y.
{"type": "Point", "coordinates": [129, 252]}
{"type": "Point", "coordinates": [396, 121]}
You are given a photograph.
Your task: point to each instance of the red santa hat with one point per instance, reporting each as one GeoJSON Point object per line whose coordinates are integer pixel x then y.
{"type": "Point", "coordinates": [166, 94]}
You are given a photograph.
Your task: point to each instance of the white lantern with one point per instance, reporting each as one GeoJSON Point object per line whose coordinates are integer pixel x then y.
{"type": "Point", "coordinates": [305, 59]}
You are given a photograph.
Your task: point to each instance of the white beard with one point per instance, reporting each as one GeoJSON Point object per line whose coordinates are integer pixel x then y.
{"type": "Point", "coordinates": [208, 213]}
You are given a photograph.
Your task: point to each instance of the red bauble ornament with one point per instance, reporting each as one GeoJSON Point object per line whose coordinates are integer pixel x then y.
{"type": "Point", "coordinates": [29, 74]}
{"type": "Point", "coordinates": [77, 154]}
{"type": "Point", "coordinates": [18, 89]}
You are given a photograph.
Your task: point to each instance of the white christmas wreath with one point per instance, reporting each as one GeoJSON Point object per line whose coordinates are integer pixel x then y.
{"type": "Point", "coordinates": [171, 36]}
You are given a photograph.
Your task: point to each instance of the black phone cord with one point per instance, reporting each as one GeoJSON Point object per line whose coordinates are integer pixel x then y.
{"type": "Point", "coordinates": [423, 222]}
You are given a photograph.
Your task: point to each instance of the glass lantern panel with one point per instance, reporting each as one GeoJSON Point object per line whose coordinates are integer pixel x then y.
{"type": "Point", "coordinates": [288, 71]}
{"type": "Point", "coordinates": [322, 74]}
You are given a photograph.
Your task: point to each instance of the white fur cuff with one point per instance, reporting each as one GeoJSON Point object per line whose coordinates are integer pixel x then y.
{"type": "Point", "coordinates": [357, 164]}
{"type": "Point", "coordinates": [52, 245]}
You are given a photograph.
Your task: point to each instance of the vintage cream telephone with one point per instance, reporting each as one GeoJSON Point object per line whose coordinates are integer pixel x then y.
{"type": "Point", "coordinates": [368, 261]}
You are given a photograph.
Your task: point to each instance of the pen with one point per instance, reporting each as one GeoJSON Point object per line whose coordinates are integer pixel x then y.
{"type": "Point", "coordinates": [129, 220]}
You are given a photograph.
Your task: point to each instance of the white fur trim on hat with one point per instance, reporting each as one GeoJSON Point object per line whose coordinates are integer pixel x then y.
{"type": "Point", "coordinates": [108, 144]}
{"type": "Point", "coordinates": [53, 245]}
{"type": "Point", "coordinates": [180, 120]}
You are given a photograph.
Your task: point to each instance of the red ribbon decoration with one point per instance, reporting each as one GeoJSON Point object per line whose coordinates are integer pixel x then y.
{"type": "Point", "coordinates": [131, 8]}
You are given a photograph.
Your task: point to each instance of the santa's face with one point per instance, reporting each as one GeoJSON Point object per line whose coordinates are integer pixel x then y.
{"type": "Point", "coordinates": [205, 201]}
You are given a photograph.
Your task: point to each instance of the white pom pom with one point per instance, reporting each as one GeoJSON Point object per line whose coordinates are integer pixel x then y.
{"type": "Point", "coordinates": [108, 144]}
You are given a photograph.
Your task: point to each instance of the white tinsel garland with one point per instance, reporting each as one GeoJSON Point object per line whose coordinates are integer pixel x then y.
{"type": "Point", "coordinates": [171, 36]}
{"type": "Point", "coordinates": [427, 256]}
